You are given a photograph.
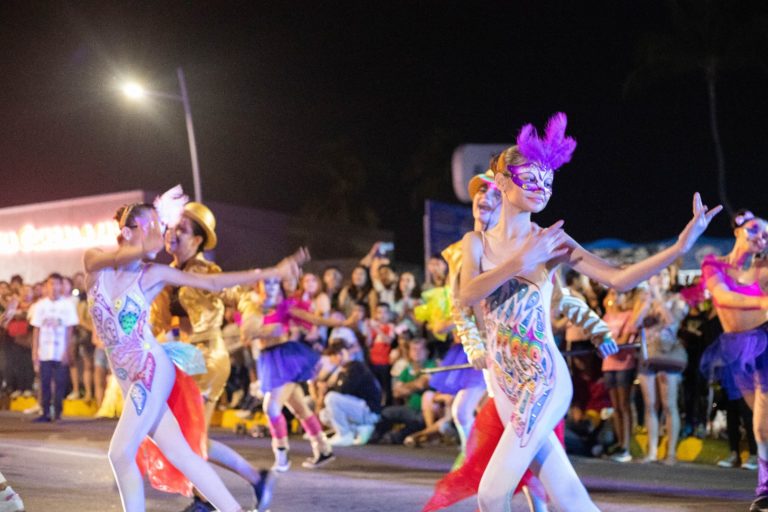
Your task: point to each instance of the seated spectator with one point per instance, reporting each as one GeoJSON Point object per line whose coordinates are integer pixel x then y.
{"type": "Point", "coordinates": [409, 384]}
{"type": "Point", "coordinates": [353, 398]}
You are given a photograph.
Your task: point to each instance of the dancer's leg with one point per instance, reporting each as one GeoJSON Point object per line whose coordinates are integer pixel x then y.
{"type": "Point", "coordinates": [274, 401]}
{"type": "Point", "coordinates": [648, 386]}
{"type": "Point", "coordinates": [141, 413]}
{"type": "Point", "coordinates": [669, 383]}
{"type": "Point", "coordinates": [559, 478]}
{"type": "Point", "coordinates": [224, 456]}
{"type": "Point", "coordinates": [170, 440]}
{"type": "Point", "coordinates": [463, 411]}
{"type": "Point", "coordinates": [297, 404]}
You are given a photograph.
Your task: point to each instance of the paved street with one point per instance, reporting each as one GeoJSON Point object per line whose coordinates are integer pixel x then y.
{"type": "Point", "coordinates": [63, 467]}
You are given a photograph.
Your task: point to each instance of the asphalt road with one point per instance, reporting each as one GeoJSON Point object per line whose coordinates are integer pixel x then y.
{"type": "Point", "coordinates": [63, 467]}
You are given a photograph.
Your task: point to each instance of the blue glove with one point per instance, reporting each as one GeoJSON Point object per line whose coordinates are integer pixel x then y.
{"type": "Point", "coordinates": [608, 347]}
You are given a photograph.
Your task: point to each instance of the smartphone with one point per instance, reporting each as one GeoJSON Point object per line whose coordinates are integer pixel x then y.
{"type": "Point", "coordinates": [386, 247]}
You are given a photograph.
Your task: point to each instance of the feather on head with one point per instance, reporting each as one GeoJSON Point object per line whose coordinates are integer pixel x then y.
{"type": "Point", "coordinates": [551, 152]}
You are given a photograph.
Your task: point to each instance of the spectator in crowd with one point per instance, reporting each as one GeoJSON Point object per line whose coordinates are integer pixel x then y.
{"type": "Point", "coordinates": [359, 291]}
{"type": "Point", "coordinates": [437, 272]}
{"type": "Point", "coordinates": [82, 347]}
{"type": "Point", "coordinates": [53, 318]}
{"type": "Point", "coordinates": [409, 384]}
{"type": "Point", "coordinates": [407, 298]}
{"type": "Point", "coordinates": [332, 281]}
{"type": "Point", "coordinates": [311, 292]}
{"type": "Point", "coordinates": [666, 361]}
{"type": "Point", "coordinates": [353, 399]}
{"type": "Point", "coordinates": [619, 371]}
{"type": "Point", "coordinates": [381, 337]}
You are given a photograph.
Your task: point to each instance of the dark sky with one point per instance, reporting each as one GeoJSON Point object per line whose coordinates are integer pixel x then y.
{"type": "Point", "coordinates": [290, 97]}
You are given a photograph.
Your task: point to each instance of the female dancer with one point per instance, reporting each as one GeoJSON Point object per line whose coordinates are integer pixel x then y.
{"type": "Point", "coordinates": [487, 427]}
{"type": "Point", "coordinates": [738, 283]}
{"type": "Point", "coordinates": [528, 378]}
{"type": "Point", "coordinates": [283, 365]}
{"type": "Point", "coordinates": [121, 288]}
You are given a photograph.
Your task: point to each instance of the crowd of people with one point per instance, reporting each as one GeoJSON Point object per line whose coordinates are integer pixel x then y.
{"type": "Point", "coordinates": [381, 331]}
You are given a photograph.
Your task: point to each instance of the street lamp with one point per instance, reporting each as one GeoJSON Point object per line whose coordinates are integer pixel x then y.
{"type": "Point", "coordinates": [135, 91]}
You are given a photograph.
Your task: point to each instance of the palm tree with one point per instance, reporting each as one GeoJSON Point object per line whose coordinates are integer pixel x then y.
{"type": "Point", "coordinates": [708, 37]}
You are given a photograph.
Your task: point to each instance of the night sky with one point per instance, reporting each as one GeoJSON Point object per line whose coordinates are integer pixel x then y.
{"type": "Point", "coordinates": [351, 110]}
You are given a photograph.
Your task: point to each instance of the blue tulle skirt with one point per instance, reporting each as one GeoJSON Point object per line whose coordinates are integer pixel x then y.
{"type": "Point", "coordinates": [451, 382]}
{"type": "Point", "coordinates": [739, 360]}
{"type": "Point", "coordinates": [292, 361]}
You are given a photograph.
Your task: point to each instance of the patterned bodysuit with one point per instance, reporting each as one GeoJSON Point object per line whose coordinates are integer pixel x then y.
{"type": "Point", "coordinates": [523, 359]}
{"type": "Point", "coordinates": [132, 350]}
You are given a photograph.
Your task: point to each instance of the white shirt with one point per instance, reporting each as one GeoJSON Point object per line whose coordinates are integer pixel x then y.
{"type": "Point", "coordinates": [52, 319]}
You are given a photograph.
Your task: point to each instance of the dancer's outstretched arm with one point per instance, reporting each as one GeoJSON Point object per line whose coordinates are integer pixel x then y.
{"type": "Point", "coordinates": [163, 274]}
{"type": "Point", "coordinates": [628, 277]}
{"type": "Point", "coordinates": [99, 259]}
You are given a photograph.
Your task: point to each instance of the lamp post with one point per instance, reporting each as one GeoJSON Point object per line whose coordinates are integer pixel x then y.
{"type": "Point", "coordinates": [135, 91]}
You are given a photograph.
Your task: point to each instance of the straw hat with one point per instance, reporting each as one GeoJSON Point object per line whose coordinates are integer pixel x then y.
{"type": "Point", "coordinates": [203, 216]}
{"type": "Point", "coordinates": [478, 180]}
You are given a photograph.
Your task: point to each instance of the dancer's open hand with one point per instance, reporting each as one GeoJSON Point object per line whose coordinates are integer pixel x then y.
{"type": "Point", "coordinates": [702, 216]}
{"type": "Point", "coordinates": [545, 245]}
{"type": "Point", "coordinates": [290, 267]}
{"type": "Point", "coordinates": [152, 241]}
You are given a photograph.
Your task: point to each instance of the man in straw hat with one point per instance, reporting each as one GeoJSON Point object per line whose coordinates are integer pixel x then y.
{"type": "Point", "coordinates": [201, 315]}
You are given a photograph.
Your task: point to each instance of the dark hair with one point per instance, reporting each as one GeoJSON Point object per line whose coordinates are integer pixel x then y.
{"type": "Point", "coordinates": [197, 230]}
{"type": "Point", "coordinates": [17, 277]}
{"type": "Point", "coordinates": [384, 305]}
{"type": "Point", "coordinates": [54, 275]}
{"type": "Point", "coordinates": [741, 213]}
{"type": "Point", "coordinates": [571, 277]}
{"type": "Point", "coordinates": [358, 294]}
{"type": "Point", "coordinates": [335, 347]}
{"type": "Point", "coordinates": [415, 293]}
{"type": "Point", "coordinates": [438, 256]}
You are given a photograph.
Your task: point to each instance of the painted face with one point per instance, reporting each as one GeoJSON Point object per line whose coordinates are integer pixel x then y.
{"type": "Point", "coordinates": [272, 291]}
{"type": "Point", "coordinates": [755, 233]}
{"type": "Point", "coordinates": [359, 278]}
{"type": "Point", "coordinates": [486, 205]}
{"type": "Point", "coordinates": [181, 239]}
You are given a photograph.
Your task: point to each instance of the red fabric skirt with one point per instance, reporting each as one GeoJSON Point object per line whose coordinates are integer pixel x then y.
{"type": "Point", "coordinates": [465, 481]}
{"type": "Point", "coordinates": [186, 404]}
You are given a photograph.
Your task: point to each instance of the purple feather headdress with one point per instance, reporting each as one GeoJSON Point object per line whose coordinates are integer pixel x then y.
{"type": "Point", "coordinates": [551, 152]}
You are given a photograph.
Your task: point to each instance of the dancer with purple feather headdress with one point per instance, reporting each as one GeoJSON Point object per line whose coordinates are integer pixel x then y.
{"type": "Point", "coordinates": [510, 269]}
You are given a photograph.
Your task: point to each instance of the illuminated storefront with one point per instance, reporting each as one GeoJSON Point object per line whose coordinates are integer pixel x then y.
{"type": "Point", "coordinates": [41, 238]}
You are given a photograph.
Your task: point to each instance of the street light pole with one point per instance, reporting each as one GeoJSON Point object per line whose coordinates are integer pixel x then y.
{"type": "Point", "coordinates": [191, 134]}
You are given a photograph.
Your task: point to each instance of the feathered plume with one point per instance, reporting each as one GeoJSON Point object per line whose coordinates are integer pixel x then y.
{"type": "Point", "coordinates": [170, 206]}
{"type": "Point", "coordinates": [551, 152]}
